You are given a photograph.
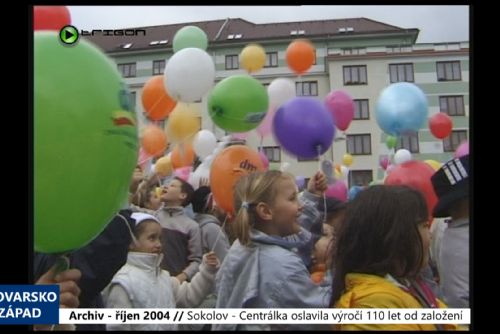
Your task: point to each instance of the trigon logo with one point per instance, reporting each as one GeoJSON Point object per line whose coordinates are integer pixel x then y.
{"type": "Point", "coordinates": [69, 35]}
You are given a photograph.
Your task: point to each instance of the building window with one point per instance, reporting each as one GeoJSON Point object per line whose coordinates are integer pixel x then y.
{"type": "Point", "coordinates": [353, 51]}
{"type": "Point", "coordinates": [306, 88]}
{"type": "Point", "coordinates": [451, 143]}
{"type": "Point", "coordinates": [271, 59]}
{"type": "Point", "coordinates": [158, 67]}
{"type": "Point", "coordinates": [355, 75]}
{"type": "Point", "coordinates": [452, 105]}
{"type": "Point", "coordinates": [399, 49]}
{"type": "Point", "coordinates": [273, 153]}
{"type": "Point", "coordinates": [409, 142]}
{"type": "Point", "coordinates": [232, 62]}
{"type": "Point", "coordinates": [359, 144]}
{"type": "Point", "coordinates": [360, 178]}
{"type": "Point", "coordinates": [361, 109]}
{"type": "Point", "coordinates": [127, 70]}
{"type": "Point", "coordinates": [307, 159]}
{"type": "Point", "coordinates": [448, 71]}
{"type": "Point", "coordinates": [401, 72]}
{"type": "Point", "coordinates": [132, 100]}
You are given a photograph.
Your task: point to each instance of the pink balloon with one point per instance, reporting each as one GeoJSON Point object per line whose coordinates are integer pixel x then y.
{"type": "Point", "coordinates": [183, 172]}
{"type": "Point", "coordinates": [143, 159]}
{"type": "Point", "coordinates": [384, 162]}
{"type": "Point", "coordinates": [341, 106]}
{"type": "Point", "coordinates": [462, 150]}
{"type": "Point", "coordinates": [390, 168]}
{"type": "Point", "coordinates": [265, 127]}
{"type": "Point", "coordinates": [239, 135]}
{"type": "Point", "coordinates": [264, 160]}
{"type": "Point", "coordinates": [337, 190]}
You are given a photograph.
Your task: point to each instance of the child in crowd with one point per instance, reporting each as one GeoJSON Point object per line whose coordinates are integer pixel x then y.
{"type": "Point", "coordinates": [141, 283]}
{"type": "Point", "coordinates": [382, 247]}
{"type": "Point", "coordinates": [261, 270]}
{"type": "Point", "coordinates": [181, 234]}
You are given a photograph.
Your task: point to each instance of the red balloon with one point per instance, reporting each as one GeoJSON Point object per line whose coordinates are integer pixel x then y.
{"type": "Point", "coordinates": [440, 125]}
{"type": "Point", "coordinates": [417, 175]}
{"type": "Point", "coordinates": [51, 17]}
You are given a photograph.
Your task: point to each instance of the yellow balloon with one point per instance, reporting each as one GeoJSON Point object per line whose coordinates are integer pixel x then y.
{"type": "Point", "coordinates": [347, 159]}
{"type": "Point", "coordinates": [434, 164]}
{"type": "Point", "coordinates": [183, 122]}
{"type": "Point", "coordinates": [163, 166]}
{"type": "Point", "coordinates": [253, 58]}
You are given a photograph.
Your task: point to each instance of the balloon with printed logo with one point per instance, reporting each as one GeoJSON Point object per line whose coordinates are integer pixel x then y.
{"type": "Point", "coordinates": [303, 127]}
{"type": "Point", "coordinates": [238, 103]}
{"type": "Point", "coordinates": [227, 168]}
{"type": "Point", "coordinates": [462, 150]}
{"type": "Point", "coordinates": [440, 125]}
{"type": "Point", "coordinates": [402, 156]}
{"type": "Point", "coordinates": [341, 105]}
{"type": "Point", "coordinates": [253, 58]}
{"type": "Point", "coordinates": [182, 155]}
{"type": "Point", "coordinates": [154, 140]}
{"type": "Point", "coordinates": [183, 123]}
{"type": "Point", "coordinates": [347, 159]}
{"type": "Point", "coordinates": [163, 166]}
{"type": "Point", "coordinates": [190, 37]}
{"type": "Point", "coordinates": [417, 175]}
{"type": "Point", "coordinates": [401, 108]}
{"type": "Point", "coordinates": [300, 56]}
{"type": "Point", "coordinates": [280, 90]}
{"type": "Point", "coordinates": [50, 17]}
{"type": "Point", "coordinates": [85, 142]}
{"type": "Point", "coordinates": [155, 99]}
{"type": "Point", "coordinates": [204, 143]}
{"type": "Point", "coordinates": [391, 142]}
{"type": "Point", "coordinates": [189, 74]}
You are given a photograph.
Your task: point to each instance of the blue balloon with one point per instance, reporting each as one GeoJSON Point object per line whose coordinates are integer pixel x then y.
{"type": "Point", "coordinates": [353, 192]}
{"type": "Point", "coordinates": [402, 108]}
{"type": "Point", "coordinates": [302, 126]}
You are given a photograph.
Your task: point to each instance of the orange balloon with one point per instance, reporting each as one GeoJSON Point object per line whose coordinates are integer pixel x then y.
{"type": "Point", "coordinates": [155, 99]}
{"type": "Point", "coordinates": [182, 155]}
{"type": "Point", "coordinates": [300, 56]}
{"type": "Point", "coordinates": [231, 164]}
{"type": "Point", "coordinates": [154, 140]}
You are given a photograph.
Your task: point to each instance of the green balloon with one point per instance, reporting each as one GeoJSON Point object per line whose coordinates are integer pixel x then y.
{"type": "Point", "coordinates": [85, 139]}
{"type": "Point", "coordinates": [391, 141]}
{"type": "Point", "coordinates": [238, 103]}
{"type": "Point", "coordinates": [190, 37]}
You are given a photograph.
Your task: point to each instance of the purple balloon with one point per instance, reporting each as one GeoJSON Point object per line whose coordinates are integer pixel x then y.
{"type": "Point", "coordinates": [384, 162]}
{"type": "Point", "coordinates": [462, 150]}
{"type": "Point", "coordinates": [302, 125]}
{"type": "Point", "coordinates": [300, 181]}
{"type": "Point", "coordinates": [337, 190]}
{"type": "Point", "coordinates": [341, 105]}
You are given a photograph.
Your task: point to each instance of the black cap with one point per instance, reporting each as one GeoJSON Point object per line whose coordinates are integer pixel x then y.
{"type": "Point", "coordinates": [451, 184]}
{"type": "Point", "coordinates": [200, 199]}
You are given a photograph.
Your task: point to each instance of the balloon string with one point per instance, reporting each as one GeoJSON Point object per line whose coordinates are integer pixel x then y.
{"type": "Point", "coordinates": [219, 234]}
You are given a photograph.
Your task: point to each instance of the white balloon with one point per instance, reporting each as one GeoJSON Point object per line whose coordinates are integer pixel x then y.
{"type": "Point", "coordinates": [189, 74]}
{"type": "Point", "coordinates": [401, 156]}
{"type": "Point", "coordinates": [344, 172]}
{"type": "Point", "coordinates": [203, 171]}
{"type": "Point", "coordinates": [280, 90]}
{"type": "Point", "coordinates": [204, 143]}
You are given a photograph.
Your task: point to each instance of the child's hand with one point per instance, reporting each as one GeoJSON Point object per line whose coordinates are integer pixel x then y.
{"type": "Point", "coordinates": [317, 184]}
{"type": "Point", "coordinates": [211, 260]}
{"type": "Point", "coordinates": [67, 280]}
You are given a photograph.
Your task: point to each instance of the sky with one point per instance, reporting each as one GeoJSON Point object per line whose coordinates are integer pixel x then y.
{"type": "Point", "coordinates": [436, 23]}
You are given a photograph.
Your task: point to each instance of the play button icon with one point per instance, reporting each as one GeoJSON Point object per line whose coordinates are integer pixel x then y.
{"type": "Point", "coordinates": [69, 35]}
